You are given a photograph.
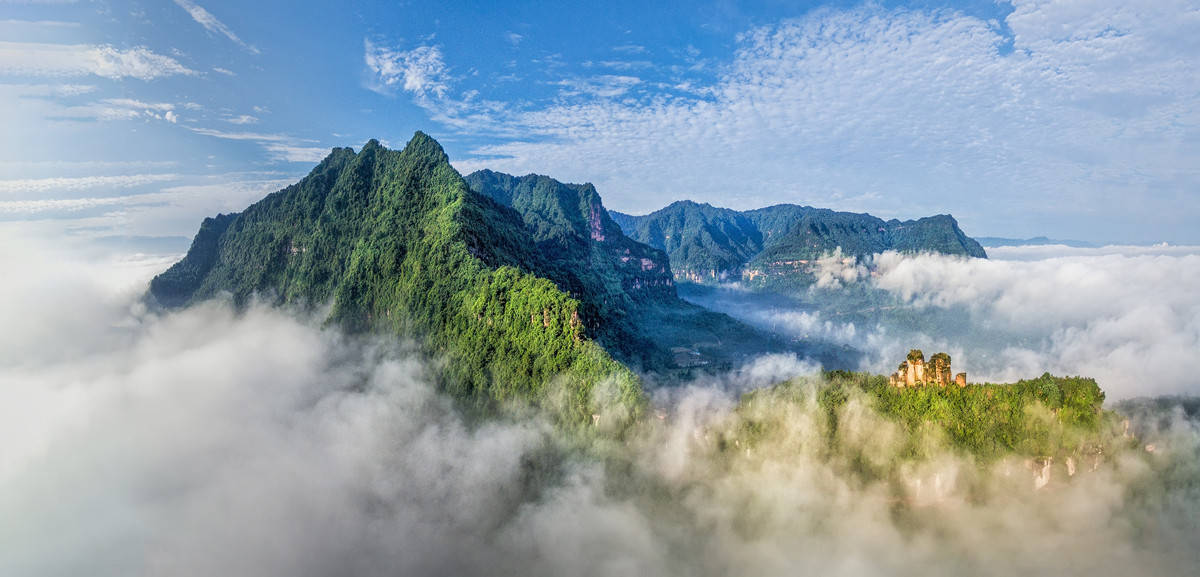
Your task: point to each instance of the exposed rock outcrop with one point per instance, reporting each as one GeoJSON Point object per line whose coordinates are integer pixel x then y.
{"type": "Point", "coordinates": [914, 372]}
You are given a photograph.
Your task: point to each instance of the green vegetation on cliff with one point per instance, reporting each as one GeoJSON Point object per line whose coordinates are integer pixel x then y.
{"type": "Point", "coordinates": [523, 283]}
{"type": "Point", "coordinates": [397, 242]}
{"type": "Point", "coordinates": [706, 243]}
{"type": "Point", "coordinates": [585, 253]}
{"type": "Point", "coordinates": [630, 284]}
{"type": "Point", "coordinates": [698, 237]}
{"type": "Point", "coordinates": [1047, 416]}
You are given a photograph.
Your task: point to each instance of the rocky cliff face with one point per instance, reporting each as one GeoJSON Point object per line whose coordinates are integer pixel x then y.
{"type": "Point", "coordinates": [570, 226]}
{"type": "Point", "coordinates": [634, 282]}
{"type": "Point", "coordinates": [914, 372]}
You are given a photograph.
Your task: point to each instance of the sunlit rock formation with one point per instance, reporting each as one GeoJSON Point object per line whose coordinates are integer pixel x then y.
{"type": "Point", "coordinates": [914, 372]}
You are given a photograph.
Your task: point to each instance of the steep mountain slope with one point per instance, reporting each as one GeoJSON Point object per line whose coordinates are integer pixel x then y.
{"type": "Point", "coordinates": [513, 297]}
{"type": "Point", "coordinates": [708, 244]}
{"type": "Point", "coordinates": [397, 242]}
{"type": "Point", "coordinates": [805, 233]}
{"type": "Point", "coordinates": [699, 237]}
{"type": "Point", "coordinates": [645, 322]}
{"type": "Point", "coordinates": [571, 228]}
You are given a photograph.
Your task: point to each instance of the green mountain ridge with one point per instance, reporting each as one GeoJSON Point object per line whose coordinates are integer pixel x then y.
{"type": "Point", "coordinates": [632, 282]}
{"type": "Point", "coordinates": [526, 287]}
{"type": "Point", "coordinates": [712, 244]}
{"type": "Point", "coordinates": [397, 242]}
{"type": "Point", "coordinates": [531, 293]}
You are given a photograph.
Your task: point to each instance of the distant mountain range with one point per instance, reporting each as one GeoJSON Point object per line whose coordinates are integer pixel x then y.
{"type": "Point", "coordinates": [527, 291]}
{"type": "Point", "coordinates": [711, 244]}
{"type": "Point", "coordinates": [524, 285]}
{"type": "Point", "coordinates": [519, 282]}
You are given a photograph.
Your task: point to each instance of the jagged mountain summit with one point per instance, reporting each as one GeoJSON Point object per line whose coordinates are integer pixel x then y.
{"type": "Point", "coordinates": [711, 244]}
{"type": "Point", "coordinates": [513, 297]}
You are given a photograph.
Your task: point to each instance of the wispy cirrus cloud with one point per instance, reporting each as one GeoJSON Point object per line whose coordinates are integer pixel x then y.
{"type": "Point", "coordinates": [630, 49]}
{"type": "Point", "coordinates": [26, 186]}
{"type": "Point", "coordinates": [293, 153]}
{"type": "Point", "coordinates": [420, 71]}
{"type": "Point", "coordinates": [110, 109]}
{"type": "Point", "coordinates": [39, 23]}
{"type": "Point", "coordinates": [155, 209]}
{"type": "Point", "coordinates": [60, 167]}
{"type": "Point", "coordinates": [602, 86]}
{"type": "Point", "coordinates": [1086, 116]}
{"type": "Point", "coordinates": [60, 205]}
{"type": "Point", "coordinates": [212, 24]}
{"type": "Point", "coordinates": [66, 60]}
{"type": "Point", "coordinates": [130, 108]}
{"type": "Point", "coordinates": [280, 147]}
{"type": "Point", "coordinates": [242, 119]}
{"type": "Point", "coordinates": [422, 74]}
{"type": "Point", "coordinates": [254, 136]}
{"type": "Point", "coordinates": [45, 91]}
{"type": "Point", "coordinates": [61, 102]}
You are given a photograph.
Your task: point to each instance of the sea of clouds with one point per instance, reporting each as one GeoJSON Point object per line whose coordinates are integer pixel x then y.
{"type": "Point", "coordinates": [211, 442]}
{"type": "Point", "coordinates": [1128, 316]}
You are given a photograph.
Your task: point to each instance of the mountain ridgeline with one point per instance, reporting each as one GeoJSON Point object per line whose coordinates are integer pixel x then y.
{"type": "Point", "coordinates": [397, 242]}
{"type": "Point", "coordinates": [710, 244]}
{"type": "Point", "coordinates": [527, 288]}
{"type": "Point", "coordinates": [630, 283]}
{"type": "Point", "coordinates": [570, 227]}
{"type": "Point", "coordinates": [527, 291]}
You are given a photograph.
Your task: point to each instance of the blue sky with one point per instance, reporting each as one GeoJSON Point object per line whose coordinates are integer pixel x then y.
{"type": "Point", "coordinates": [1072, 119]}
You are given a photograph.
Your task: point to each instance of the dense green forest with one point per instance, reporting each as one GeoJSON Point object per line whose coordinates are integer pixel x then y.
{"type": "Point", "coordinates": [527, 284]}
{"type": "Point", "coordinates": [698, 237]}
{"type": "Point", "coordinates": [1047, 416]}
{"type": "Point", "coordinates": [397, 242]}
{"type": "Point", "coordinates": [528, 292]}
{"type": "Point", "coordinates": [710, 244]}
{"type": "Point", "coordinates": [632, 284]}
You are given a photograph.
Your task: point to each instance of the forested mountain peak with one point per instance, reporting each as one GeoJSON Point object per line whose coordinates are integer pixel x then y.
{"type": "Point", "coordinates": [525, 281]}
{"type": "Point", "coordinates": [711, 244]}
{"type": "Point", "coordinates": [397, 242]}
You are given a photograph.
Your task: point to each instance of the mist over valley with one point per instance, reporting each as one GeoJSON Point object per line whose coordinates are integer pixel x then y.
{"type": "Point", "coordinates": [599, 289]}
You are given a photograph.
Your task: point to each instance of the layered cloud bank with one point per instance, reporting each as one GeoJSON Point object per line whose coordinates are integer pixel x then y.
{"type": "Point", "coordinates": [1129, 317]}
{"type": "Point", "coordinates": [1126, 315]}
{"type": "Point", "coordinates": [207, 442]}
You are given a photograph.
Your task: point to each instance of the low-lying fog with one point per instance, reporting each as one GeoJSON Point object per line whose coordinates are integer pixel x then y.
{"type": "Point", "coordinates": [208, 443]}
{"type": "Point", "coordinates": [1128, 316]}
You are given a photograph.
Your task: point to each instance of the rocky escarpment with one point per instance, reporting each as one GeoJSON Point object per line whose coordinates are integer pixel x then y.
{"type": "Point", "coordinates": [633, 281]}
{"type": "Point", "coordinates": [570, 226]}
{"type": "Point", "coordinates": [915, 372]}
